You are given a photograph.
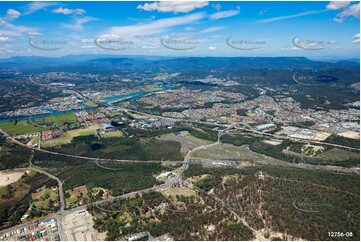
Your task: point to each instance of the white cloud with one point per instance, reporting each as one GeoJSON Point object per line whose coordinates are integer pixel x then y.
{"type": "Point", "coordinates": [336, 5]}
{"type": "Point", "coordinates": [109, 37]}
{"type": "Point", "coordinates": [88, 46]}
{"type": "Point", "coordinates": [217, 6]}
{"type": "Point", "coordinates": [174, 6]}
{"type": "Point", "coordinates": [36, 6]}
{"type": "Point", "coordinates": [263, 11]}
{"type": "Point", "coordinates": [269, 20]}
{"type": "Point", "coordinates": [9, 33]}
{"type": "Point", "coordinates": [12, 14]}
{"type": "Point", "coordinates": [189, 28]}
{"type": "Point", "coordinates": [17, 30]}
{"type": "Point", "coordinates": [347, 10]}
{"type": "Point", "coordinates": [10, 29]}
{"type": "Point", "coordinates": [353, 10]}
{"type": "Point", "coordinates": [291, 48]}
{"type": "Point", "coordinates": [212, 48]}
{"type": "Point", "coordinates": [149, 47]}
{"type": "Point", "coordinates": [5, 39]}
{"type": "Point", "coordinates": [224, 14]}
{"type": "Point", "coordinates": [338, 20]}
{"type": "Point", "coordinates": [87, 40]}
{"type": "Point", "coordinates": [211, 29]}
{"type": "Point", "coordinates": [356, 38]}
{"type": "Point", "coordinates": [9, 50]}
{"type": "Point", "coordinates": [157, 26]}
{"type": "Point", "coordinates": [67, 11]}
{"type": "Point", "coordinates": [34, 33]}
{"type": "Point", "coordinates": [78, 23]}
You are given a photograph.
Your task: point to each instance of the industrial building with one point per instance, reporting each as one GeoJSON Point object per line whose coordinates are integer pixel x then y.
{"type": "Point", "coordinates": [264, 127]}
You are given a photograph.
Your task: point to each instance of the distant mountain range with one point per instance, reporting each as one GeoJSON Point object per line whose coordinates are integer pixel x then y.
{"type": "Point", "coordinates": [100, 62]}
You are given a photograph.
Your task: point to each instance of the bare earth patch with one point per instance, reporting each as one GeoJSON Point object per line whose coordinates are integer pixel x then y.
{"type": "Point", "coordinates": [350, 134]}
{"type": "Point", "coordinates": [9, 177]}
{"type": "Point", "coordinates": [219, 152]}
{"type": "Point", "coordinates": [78, 226]}
{"type": "Point", "coordinates": [273, 142]}
{"type": "Point", "coordinates": [188, 142]}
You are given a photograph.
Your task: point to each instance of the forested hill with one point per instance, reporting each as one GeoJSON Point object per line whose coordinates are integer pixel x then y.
{"type": "Point", "coordinates": [89, 62]}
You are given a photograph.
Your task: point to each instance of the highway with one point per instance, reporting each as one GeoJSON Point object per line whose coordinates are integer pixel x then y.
{"type": "Point", "coordinates": [176, 179]}
{"type": "Point", "coordinates": [234, 125]}
{"type": "Point", "coordinates": [251, 131]}
{"type": "Point", "coordinates": [97, 161]}
{"type": "Point", "coordinates": [216, 124]}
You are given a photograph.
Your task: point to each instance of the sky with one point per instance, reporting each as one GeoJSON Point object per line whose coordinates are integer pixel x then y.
{"type": "Point", "coordinates": [318, 30]}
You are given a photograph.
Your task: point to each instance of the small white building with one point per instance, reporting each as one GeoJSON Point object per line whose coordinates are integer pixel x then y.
{"type": "Point", "coordinates": [165, 175]}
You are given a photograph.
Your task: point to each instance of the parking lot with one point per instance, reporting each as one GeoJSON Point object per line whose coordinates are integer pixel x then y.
{"type": "Point", "coordinates": [41, 230]}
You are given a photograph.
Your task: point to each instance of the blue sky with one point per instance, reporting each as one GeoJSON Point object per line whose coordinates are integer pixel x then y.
{"type": "Point", "coordinates": [319, 30]}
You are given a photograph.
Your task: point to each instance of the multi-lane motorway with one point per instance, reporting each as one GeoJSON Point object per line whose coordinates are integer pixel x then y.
{"type": "Point", "coordinates": [176, 179]}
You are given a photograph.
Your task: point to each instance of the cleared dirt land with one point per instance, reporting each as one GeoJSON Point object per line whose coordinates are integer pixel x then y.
{"type": "Point", "coordinates": [9, 177]}
{"type": "Point", "coordinates": [17, 190]}
{"type": "Point", "coordinates": [246, 157]}
{"type": "Point", "coordinates": [230, 152]}
{"type": "Point", "coordinates": [188, 141]}
{"type": "Point", "coordinates": [78, 226]}
{"type": "Point", "coordinates": [350, 134]}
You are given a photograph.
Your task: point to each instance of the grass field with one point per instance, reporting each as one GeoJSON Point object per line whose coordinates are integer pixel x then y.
{"type": "Point", "coordinates": [77, 194]}
{"type": "Point", "coordinates": [91, 104]}
{"type": "Point", "coordinates": [42, 198]}
{"type": "Point", "coordinates": [152, 89]}
{"type": "Point", "coordinates": [69, 135]}
{"type": "Point", "coordinates": [113, 134]}
{"type": "Point", "coordinates": [180, 191]}
{"type": "Point", "coordinates": [25, 126]}
{"type": "Point", "coordinates": [56, 119]}
{"type": "Point", "coordinates": [20, 127]}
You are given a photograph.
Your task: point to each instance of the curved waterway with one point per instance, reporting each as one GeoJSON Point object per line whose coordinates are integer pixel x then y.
{"type": "Point", "coordinates": [119, 98]}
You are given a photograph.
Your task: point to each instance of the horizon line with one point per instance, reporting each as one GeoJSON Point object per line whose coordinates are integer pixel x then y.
{"type": "Point", "coordinates": [185, 56]}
